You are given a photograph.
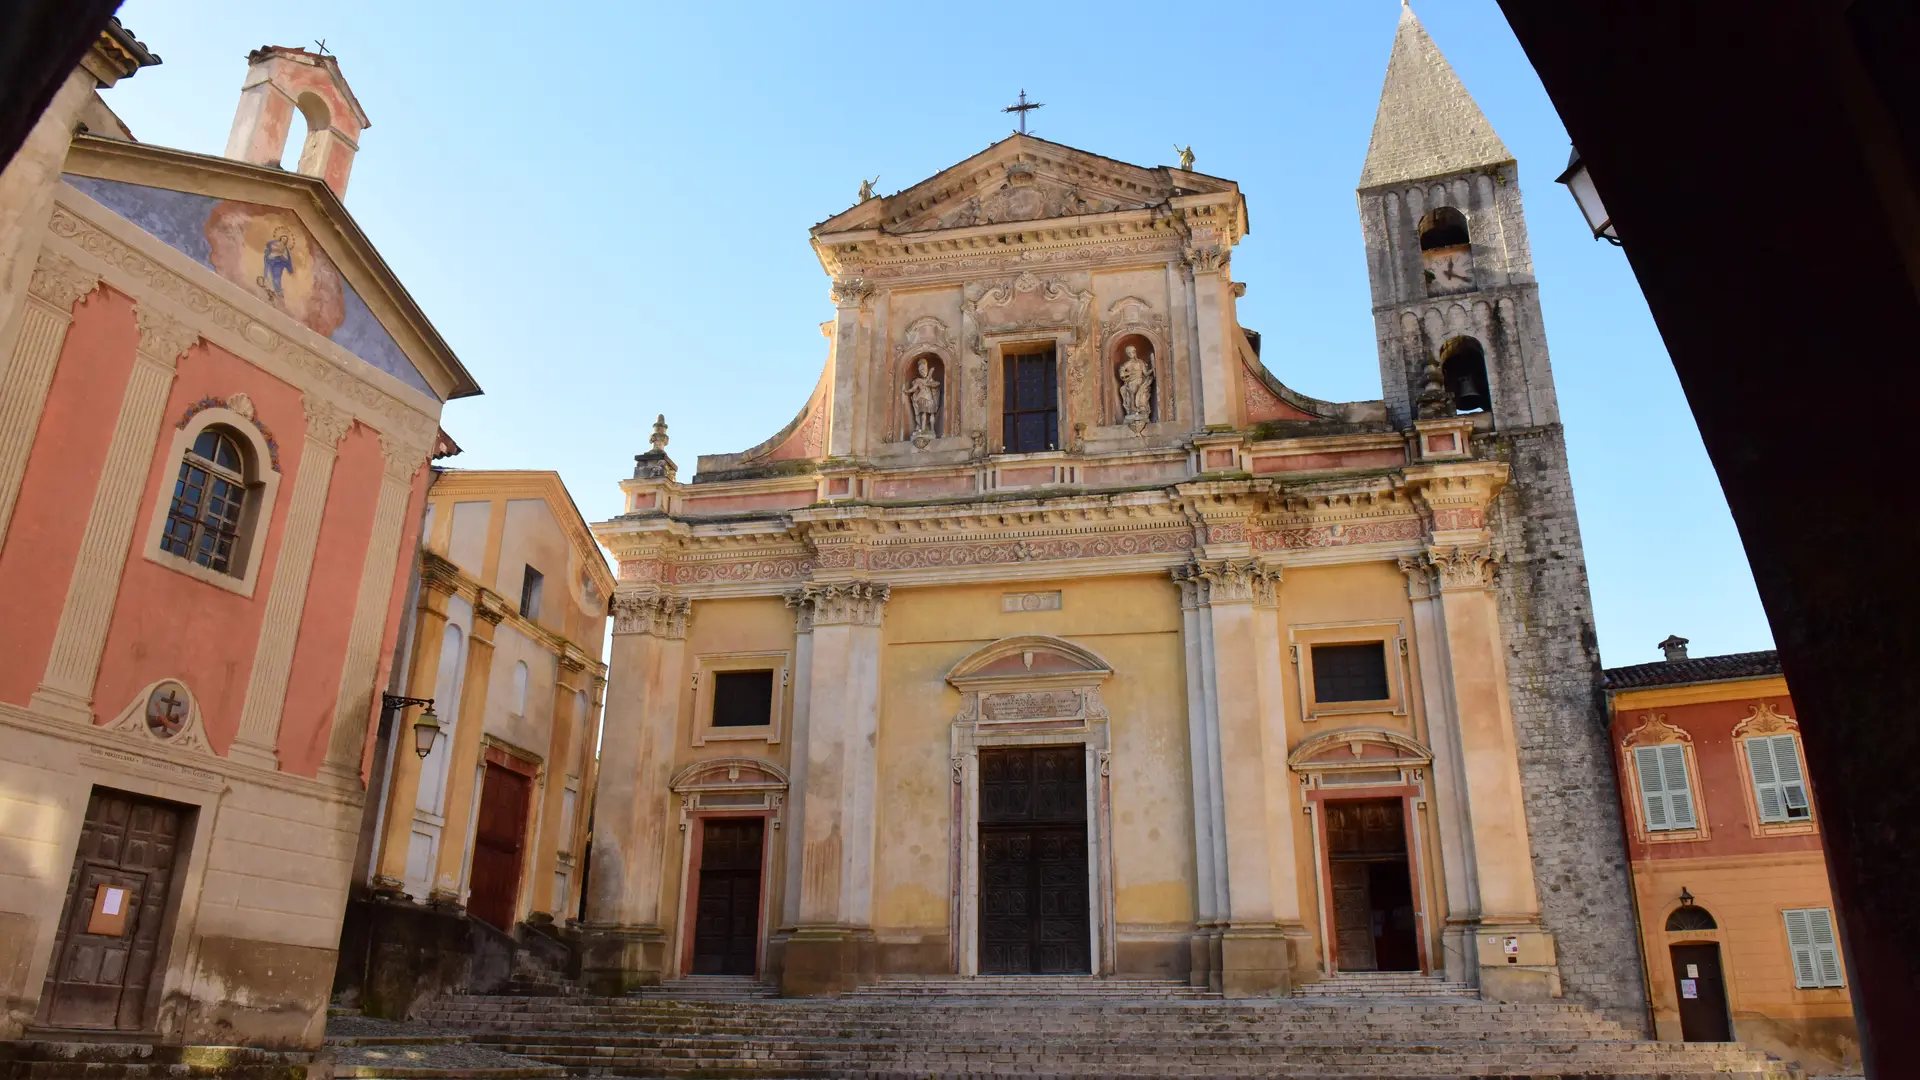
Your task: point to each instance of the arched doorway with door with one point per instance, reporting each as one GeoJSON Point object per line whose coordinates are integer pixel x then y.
{"type": "Point", "coordinates": [1699, 982]}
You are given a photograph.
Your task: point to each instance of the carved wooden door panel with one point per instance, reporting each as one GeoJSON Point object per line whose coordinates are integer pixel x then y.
{"type": "Point", "coordinates": [1352, 917]}
{"type": "Point", "coordinates": [108, 941]}
{"type": "Point", "coordinates": [499, 836]}
{"type": "Point", "coordinates": [1033, 862]}
{"type": "Point", "coordinates": [726, 925]}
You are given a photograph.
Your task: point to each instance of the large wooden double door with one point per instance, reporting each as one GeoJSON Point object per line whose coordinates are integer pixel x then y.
{"type": "Point", "coordinates": [1033, 861]}
{"type": "Point", "coordinates": [108, 942]}
{"type": "Point", "coordinates": [726, 924]}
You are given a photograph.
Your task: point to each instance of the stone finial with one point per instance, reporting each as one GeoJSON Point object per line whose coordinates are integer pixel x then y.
{"type": "Point", "coordinates": [1675, 647]}
{"type": "Point", "coordinates": [1428, 125]}
{"type": "Point", "coordinates": [658, 441]}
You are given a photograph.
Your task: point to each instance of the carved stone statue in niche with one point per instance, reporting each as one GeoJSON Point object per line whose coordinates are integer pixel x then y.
{"type": "Point", "coordinates": [1136, 389]}
{"type": "Point", "coordinates": [923, 403]}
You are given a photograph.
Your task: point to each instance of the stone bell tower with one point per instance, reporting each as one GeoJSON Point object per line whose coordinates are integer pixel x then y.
{"type": "Point", "coordinates": [1457, 314]}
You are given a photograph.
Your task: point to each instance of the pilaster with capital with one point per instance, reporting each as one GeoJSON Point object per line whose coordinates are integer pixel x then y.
{"type": "Point", "coordinates": [1218, 356]}
{"type": "Point", "coordinates": [796, 827]}
{"type": "Point", "coordinates": [74, 662]}
{"type": "Point", "coordinates": [463, 749]}
{"type": "Point", "coordinates": [259, 735]}
{"type": "Point", "coordinates": [569, 686]}
{"type": "Point", "coordinates": [1242, 730]}
{"type": "Point", "coordinates": [631, 829]}
{"type": "Point", "coordinates": [430, 617]}
{"type": "Point", "coordinates": [831, 948]}
{"type": "Point", "coordinates": [56, 285]}
{"type": "Point", "coordinates": [371, 608]}
{"type": "Point", "coordinates": [852, 355]}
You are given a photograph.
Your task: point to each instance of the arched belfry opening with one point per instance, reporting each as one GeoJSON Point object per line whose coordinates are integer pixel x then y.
{"type": "Point", "coordinates": [1443, 227]}
{"type": "Point", "coordinates": [1463, 370]}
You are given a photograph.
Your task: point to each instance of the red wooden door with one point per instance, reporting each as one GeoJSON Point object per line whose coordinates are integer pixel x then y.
{"type": "Point", "coordinates": [123, 869]}
{"type": "Point", "coordinates": [499, 841]}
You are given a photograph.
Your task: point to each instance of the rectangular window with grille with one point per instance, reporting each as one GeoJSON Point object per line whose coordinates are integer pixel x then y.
{"type": "Point", "coordinates": [1350, 672]}
{"type": "Point", "coordinates": [742, 698]}
{"type": "Point", "coordinates": [1779, 787]}
{"type": "Point", "coordinates": [1816, 949]}
{"type": "Point", "coordinates": [1666, 794]}
{"type": "Point", "coordinates": [1031, 403]}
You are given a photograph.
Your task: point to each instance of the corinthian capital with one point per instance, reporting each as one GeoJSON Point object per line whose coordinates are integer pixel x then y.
{"type": "Point", "coordinates": [403, 459]}
{"type": "Point", "coordinates": [1463, 566]}
{"type": "Point", "coordinates": [842, 603]}
{"type": "Point", "coordinates": [162, 336]}
{"type": "Point", "coordinates": [651, 613]}
{"type": "Point", "coordinates": [60, 281]}
{"type": "Point", "coordinates": [851, 290]}
{"type": "Point", "coordinates": [326, 424]}
{"type": "Point", "coordinates": [1227, 581]}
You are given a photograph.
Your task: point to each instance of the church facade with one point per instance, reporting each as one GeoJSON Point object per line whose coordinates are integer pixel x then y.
{"type": "Point", "coordinates": [1055, 634]}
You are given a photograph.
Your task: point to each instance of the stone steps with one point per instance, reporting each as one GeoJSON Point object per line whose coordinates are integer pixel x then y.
{"type": "Point", "coordinates": [112, 1060]}
{"type": "Point", "coordinates": [949, 1031]}
{"type": "Point", "coordinates": [1049, 986]}
{"type": "Point", "coordinates": [706, 988]}
{"type": "Point", "coordinates": [1384, 984]}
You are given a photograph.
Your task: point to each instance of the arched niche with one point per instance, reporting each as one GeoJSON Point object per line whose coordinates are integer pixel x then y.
{"type": "Point", "coordinates": [925, 340]}
{"type": "Point", "coordinates": [1132, 320]}
{"type": "Point", "coordinates": [1135, 370]}
{"type": "Point", "coordinates": [1463, 370]}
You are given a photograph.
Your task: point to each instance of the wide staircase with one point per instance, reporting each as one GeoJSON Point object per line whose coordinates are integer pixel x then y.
{"type": "Point", "coordinates": [993, 1027]}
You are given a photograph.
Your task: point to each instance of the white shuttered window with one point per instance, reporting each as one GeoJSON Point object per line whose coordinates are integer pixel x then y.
{"type": "Point", "coordinates": [1779, 789]}
{"type": "Point", "coordinates": [1665, 792]}
{"type": "Point", "coordinates": [1816, 951]}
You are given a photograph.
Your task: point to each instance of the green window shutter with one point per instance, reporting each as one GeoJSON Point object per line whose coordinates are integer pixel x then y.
{"type": "Point", "coordinates": [1766, 779]}
{"type": "Point", "coordinates": [1826, 946]}
{"type": "Point", "coordinates": [1653, 792]}
{"type": "Point", "coordinates": [1800, 941]}
{"type": "Point", "coordinates": [1793, 784]}
{"type": "Point", "coordinates": [1673, 765]}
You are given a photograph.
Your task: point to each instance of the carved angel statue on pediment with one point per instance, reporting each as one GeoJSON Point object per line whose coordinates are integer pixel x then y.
{"type": "Point", "coordinates": [923, 402]}
{"type": "Point", "coordinates": [866, 188]}
{"type": "Point", "coordinates": [1136, 388]}
{"type": "Point", "coordinates": [1186, 156]}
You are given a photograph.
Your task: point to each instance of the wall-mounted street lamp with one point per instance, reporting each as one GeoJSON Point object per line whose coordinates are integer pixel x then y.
{"type": "Point", "coordinates": [1686, 898]}
{"type": "Point", "coordinates": [1580, 182]}
{"type": "Point", "coordinates": [426, 729]}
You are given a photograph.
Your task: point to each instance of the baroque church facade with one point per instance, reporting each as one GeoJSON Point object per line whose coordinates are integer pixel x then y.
{"type": "Point", "coordinates": [1056, 634]}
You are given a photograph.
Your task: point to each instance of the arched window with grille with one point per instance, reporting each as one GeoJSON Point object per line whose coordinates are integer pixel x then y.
{"type": "Point", "coordinates": [209, 512]}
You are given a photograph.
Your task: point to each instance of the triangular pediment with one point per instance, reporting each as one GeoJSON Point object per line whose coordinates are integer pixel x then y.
{"type": "Point", "coordinates": [1021, 178]}
{"type": "Point", "coordinates": [282, 238]}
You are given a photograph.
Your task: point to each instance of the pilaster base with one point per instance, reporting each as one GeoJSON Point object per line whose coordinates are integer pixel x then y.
{"type": "Point", "coordinates": [55, 702]}
{"type": "Point", "coordinates": [1517, 963]}
{"type": "Point", "coordinates": [1206, 952]}
{"type": "Point", "coordinates": [827, 961]}
{"type": "Point", "coordinates": [258, 755]}
{"type": "Point", "coordinates": [616, 959]}
{"type": "Point", "coordinates": [1255, 961]}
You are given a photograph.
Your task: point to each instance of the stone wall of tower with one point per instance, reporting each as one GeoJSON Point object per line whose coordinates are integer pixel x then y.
{"type": "Point", "coordinates": [1553, 664]}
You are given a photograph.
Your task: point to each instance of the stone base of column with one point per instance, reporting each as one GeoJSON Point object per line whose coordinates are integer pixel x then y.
{"type": "Point", "coordinates": [52, 701]}
{"type": "Point", "coordinates": [1205, 949]}
{"type": "Point", "coordinates": [826, 961]}
{"type": "Point", "coordinates": [1517, 963]}
{"type": "Point", "coordinates": [1255, 961]}
{"type": "Point", "coordinates": [258, 755]}
{"type": "Point", "coordinates": [616, 959]}
{"type": "Point", "coordinates": [1460, 953]}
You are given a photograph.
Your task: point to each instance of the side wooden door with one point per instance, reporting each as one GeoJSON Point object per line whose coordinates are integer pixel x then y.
{"type": "Point", "coordinates": [498, 842]}
{"type": "Point", "coordinates": [108, 943]}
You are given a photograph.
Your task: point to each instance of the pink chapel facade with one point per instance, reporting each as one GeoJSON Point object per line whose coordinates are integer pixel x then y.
{"type": "Point", "coordinates": [216, 417]}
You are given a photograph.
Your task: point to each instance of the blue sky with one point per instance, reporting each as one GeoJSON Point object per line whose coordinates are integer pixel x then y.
{"type": "Point", "coordinates": [603, 208]}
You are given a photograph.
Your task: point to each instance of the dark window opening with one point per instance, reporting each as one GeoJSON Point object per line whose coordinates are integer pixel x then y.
{"type": "Point", "coordinates": [1443, 227]}
{"type": "Point", "coordinates": [1689, 917]}
{"type": "Point", "coordinates": [1031, 397]}
{"type": "Point", "coordinates": [530, 586]}
{"type": "Point", "coordinates": [1350, 672]}
{"type": "Point", "coordinates": [1463, 367]}
{"type": "Point", "coordinates": [742, 698]}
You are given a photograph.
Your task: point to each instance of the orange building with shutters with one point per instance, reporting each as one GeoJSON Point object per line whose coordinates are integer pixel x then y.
{"type": "Point", "coordinates": [1729, 874]}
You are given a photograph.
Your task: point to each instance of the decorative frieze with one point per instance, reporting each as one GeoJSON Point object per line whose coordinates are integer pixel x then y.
{"type": "Point", "coordinates": [659, 614]}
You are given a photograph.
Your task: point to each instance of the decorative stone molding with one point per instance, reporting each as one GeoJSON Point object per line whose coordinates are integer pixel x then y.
{"type": "Point", "coordinates": [658, 614]}
{"type": "Point", "coordinates": [162, 336]}
{"type": "Point", "coordinates": [1207, 258]}
{"type": "Point", "coordinates": [1419, 577]}
{"type": "Point", "coordinates": [851, 290]}
{"type": "Point", "coordinates": [491, 608]}
{"type": "Point", "coordinates": [1460, 567]}
{"type": "Point", "coordinates": [721, 783]}
{"type": "Point", "coordinates": [403, 459]}
{"type": "Point", "coordinates": [242, 406]}
{"type": "Point", "coordinates": [60, 281]}
{"type": "Point", "coordinates": [1653, 731]}
{"type": "Point", "coordinates": [845, 603]}
{"type": "Point", "coordinates": [165, 712]}
{"type": "Point", "coordinates": [1227, 581]}
{"type": "Point", "coordinates": [326, 424]}
{"type": "Point", "coordinates": [1765, 721]}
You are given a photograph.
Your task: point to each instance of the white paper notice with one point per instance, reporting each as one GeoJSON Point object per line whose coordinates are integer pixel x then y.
{"type": "Point", "coordinates": [115, 897]}
{"type": "Point", "coordinates": [1693, 971]}
{"type": "Point", "coordinates": [1689, 988]}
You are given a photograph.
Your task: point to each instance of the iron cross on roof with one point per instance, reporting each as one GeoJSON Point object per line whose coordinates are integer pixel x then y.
{"type": "Point", "coordinates": [1023, 108]}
